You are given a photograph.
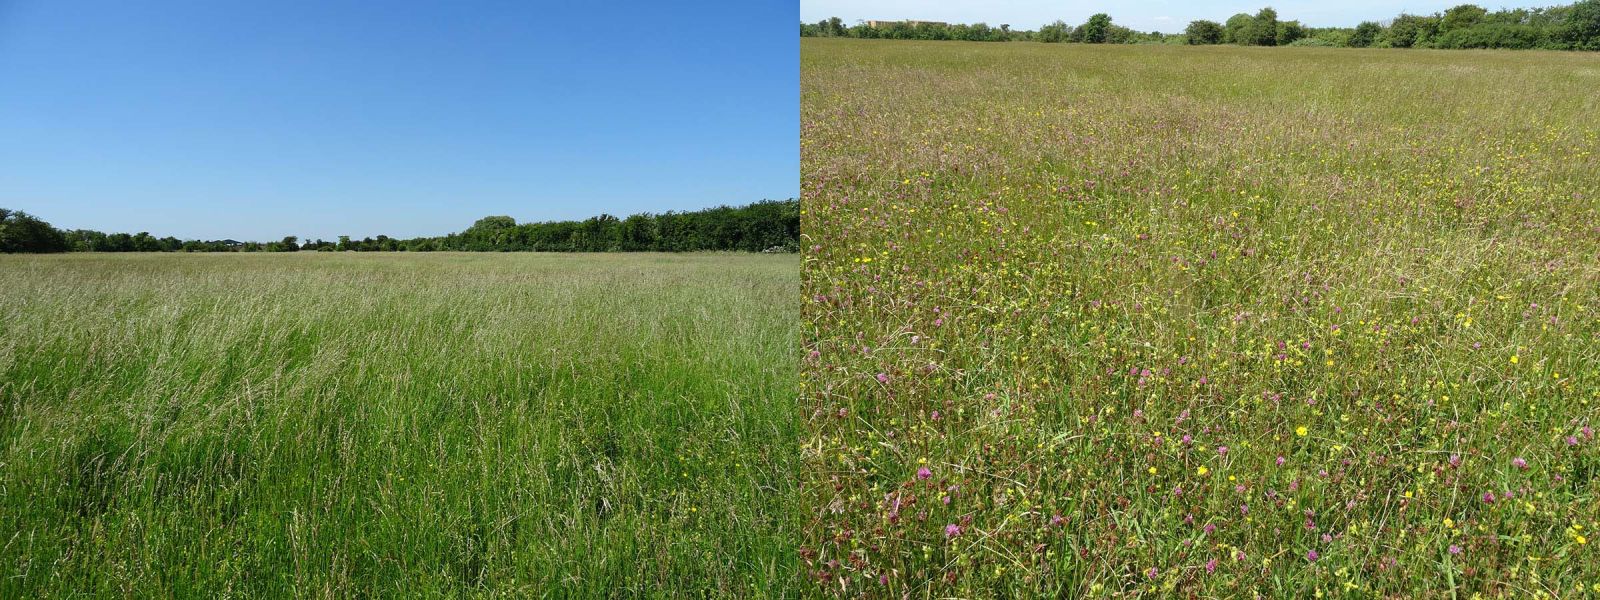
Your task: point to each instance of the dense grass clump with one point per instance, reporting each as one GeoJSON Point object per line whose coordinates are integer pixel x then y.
{"type": "Point", "coordinates": [320, 425]}
{"type": "Point", "coordinates": [1203, 322]}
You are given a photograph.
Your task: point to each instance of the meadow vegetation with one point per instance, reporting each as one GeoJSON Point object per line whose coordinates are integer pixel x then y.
{"type": "Point", "coordinates": [401, 425]}
{"type": "Point", "coordinates": [1111, 321]}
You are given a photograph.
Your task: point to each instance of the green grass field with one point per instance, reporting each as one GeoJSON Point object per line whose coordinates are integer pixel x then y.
{"type": "Point", "coordinates": [447, 425]}
{"type": "Point", "coordinates": [1199, 322]}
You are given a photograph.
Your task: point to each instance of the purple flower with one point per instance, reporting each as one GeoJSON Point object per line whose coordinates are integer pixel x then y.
{"type": "Point", "coordinates": [1312, 556]}
{"type": "Point", "coordinates": [952, 530]}
{"type": "Point", "coordinates": [1281, 461]}
{"type": "Point", "coordinates": [1455, 460]}
{"type": "Point", "coordinates": [1222, 450]}
{"type": "Point", "coordinates": [924, 473]}
{"type": "Point", "coordinates": [1488, 497]}
{"type": "Point", "coordinates": [1454, 549]}
{"type": "Point", "coordinates": [1211, 566]}
{"type": "Point", "coordinates": [1151, 573]}
{"type": "Point", "coordinates": [1519, 463]}
{"type": "Point", "coordinates": [883, 378]}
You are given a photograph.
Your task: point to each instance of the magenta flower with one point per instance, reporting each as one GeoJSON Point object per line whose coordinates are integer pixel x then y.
{"type": "Point", "coordinates": [1488, 497]}
{"type": "Point", "coordinates": [1519, 463]}
{"type": "Point", "coordinates": [1312, 556]}
{"type": "Point", "coordinates": [1454, 549]}
{"type": "Point", "coordinates": [952, 530]}
{"type": "Point", "coordinates": [1211, 566]}
{"type": "Point", "coordinates": [1222, 450]}
{"type": "Point", "coordinates": [1151, 573]}
{"type": "Point", "coordinates": [924, 473]}
{"type": "Point", "coordinates": [883, 378]}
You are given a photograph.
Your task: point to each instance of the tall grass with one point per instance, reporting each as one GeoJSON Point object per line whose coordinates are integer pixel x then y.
{"type": "Point", "coordinates": [320, 425]}
{"type": "Point", "coordinates": [1200, 322]}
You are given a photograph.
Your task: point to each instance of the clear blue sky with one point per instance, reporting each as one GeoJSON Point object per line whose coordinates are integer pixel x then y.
{"type": "Point", "coordinates": [255, 120]}
{"type": "Point", "coordinates": [1169, 16]}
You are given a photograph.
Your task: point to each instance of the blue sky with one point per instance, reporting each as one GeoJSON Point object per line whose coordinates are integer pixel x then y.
{"type": "Point", "coordinates": [255, 120]}
{"type": "Point", "coordinates": [1169, 16]}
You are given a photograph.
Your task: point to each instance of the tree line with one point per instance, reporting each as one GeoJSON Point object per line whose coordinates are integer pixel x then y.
{"type": "Point", "coordinates": [766, 226]}
{"type": "Point", "coordinates": [1567, 27]}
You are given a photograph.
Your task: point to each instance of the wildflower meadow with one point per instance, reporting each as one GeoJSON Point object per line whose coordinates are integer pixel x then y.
{"type": "Point", "coordinates": [1154, 321]}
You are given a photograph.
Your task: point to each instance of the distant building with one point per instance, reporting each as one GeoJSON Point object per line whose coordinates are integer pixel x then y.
{"type": "Point", "coordinates": [879, 24]}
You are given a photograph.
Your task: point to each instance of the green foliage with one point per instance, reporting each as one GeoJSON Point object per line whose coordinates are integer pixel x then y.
{"type": "Point", "coordinates": [1289, 32]}
{"type": "Point", "coordinates": [759, 227]}
{"type": "Point", "coordinates": [1315, 42]}
{"type": "Point", "coordinates": [1461, 17]}
{"type": "Point", "coordinates": [1412, 31]}
{"type": "Point", "coordinates": [22, 232]}
{"type": "Point", "coordinates": [1262, 30]}
{"type": "Point", "coordinates": [1053, 33]}
{"type": "Point", "coordinates": [1569, 27]}
{"type": "Point", "coordinates": [1203, 33]}
{"type": "Point", "coordinates": [1095, 30]}
{"type": "Point", "coordinates": [1581, 30]}
{"type": "Point", "coordinates": [1366, 34]}
{"type": "Point", "coordinates": [1237, 29]}
{"type": "Point", "coordinates": [1494, 35]}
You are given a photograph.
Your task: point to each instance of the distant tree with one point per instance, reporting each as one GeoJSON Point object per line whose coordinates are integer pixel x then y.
{"type": "Point", "coordinates": [1366, 33]}
{"type": "Point", "coordinates": [1055, 32]}
{"type": "Point", "coordinates": [1407, 31]}
{"type": "Point", "coordinates": [344, 243]}
{"type": "Point", "coordinates": [498, 233]}
{"type": "Point", "coordinates": [1581, 29]}
{"type": "Point", "coordinates": [1461, 17]}
{"type": "Point", "coordinates": [638, 233]}
{"type": "Point", "coordinates": [1236, 30]}
{"type": "Point", "coordinates": [22, 232]}
{"type": "Point", "coordinates": [1263, 29]}
{"type": "Point", "coordinates": [1290, 32]}
{"type": "Point", "coordinates": [1095, 30]}
{"type": "Point", "coordinates": [1204, 33]}
{"type": "Point", "coordinates": [832, 27]}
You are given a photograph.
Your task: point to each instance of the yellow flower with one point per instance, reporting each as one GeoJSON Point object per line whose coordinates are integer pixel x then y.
{"type": "Point", "coordinates": [1300, 431]}
{"type": "Point", "coordinates": [1202, 470]}
{"type": "Point", "coordinates": [1513, 359]}
{"type": "Point", "coordinates": [1152, 470]}
{"type": "Point", "coordinates": [1581, 540]}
